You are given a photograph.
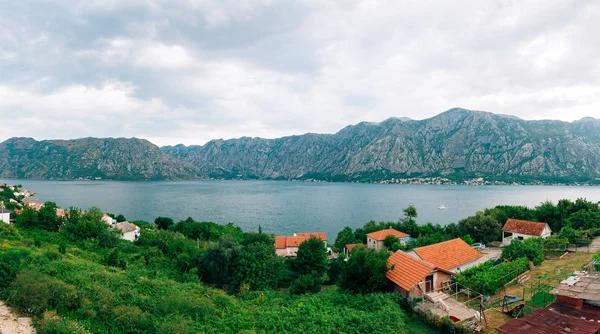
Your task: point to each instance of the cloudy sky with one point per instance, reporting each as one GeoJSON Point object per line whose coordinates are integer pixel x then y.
{"type": "Point", "coordinates": [187, 71]}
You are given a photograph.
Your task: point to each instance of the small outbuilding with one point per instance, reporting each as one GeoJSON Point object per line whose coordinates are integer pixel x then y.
{"type": "Point", "coordinates": [523, 229]}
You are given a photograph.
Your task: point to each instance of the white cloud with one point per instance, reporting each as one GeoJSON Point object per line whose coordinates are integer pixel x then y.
{"type": "Point", "coordinates": [192, 70]}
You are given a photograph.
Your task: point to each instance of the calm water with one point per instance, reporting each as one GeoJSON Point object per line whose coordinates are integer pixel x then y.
{"type": "Point", "coordinates": [287, 207]}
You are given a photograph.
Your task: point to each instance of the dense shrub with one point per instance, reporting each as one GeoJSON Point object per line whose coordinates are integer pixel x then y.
{"type": "Point", "coordinates": [91, 226]}
{"type": "Point", "coordinates": [34, 293]}
{"type": "Point", "coordinates": [532, 249]}
{"type": "Point", "coordinates": [309, 283]}
{"type": "Point", "coordinates": [488, 279]}
{"type": "Point", "coordinates": [365, 272]}
{"type": "Point", "coordinates": [10, 263]}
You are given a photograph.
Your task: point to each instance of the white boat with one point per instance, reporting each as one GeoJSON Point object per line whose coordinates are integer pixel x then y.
{"type": "Point", "coordinates": [442, 207]}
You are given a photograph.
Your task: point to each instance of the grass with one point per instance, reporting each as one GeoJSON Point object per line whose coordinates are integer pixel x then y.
{"type": "Point", "coordinates": [542, 279]}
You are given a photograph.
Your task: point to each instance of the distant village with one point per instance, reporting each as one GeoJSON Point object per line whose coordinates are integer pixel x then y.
{"type": "Point", "coordinates": [129, 231]}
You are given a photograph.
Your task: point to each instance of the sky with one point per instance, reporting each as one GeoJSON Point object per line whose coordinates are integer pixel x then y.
{"type": "Point", "coordinates": [188, 71]}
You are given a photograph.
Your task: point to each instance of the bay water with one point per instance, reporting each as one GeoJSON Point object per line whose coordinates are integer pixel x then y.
{"type": "Point", "coordinates": [283, 207]}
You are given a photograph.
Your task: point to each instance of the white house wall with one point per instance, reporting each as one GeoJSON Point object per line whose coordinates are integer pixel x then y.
{"type": "Point", "coordinates": [467, 265]}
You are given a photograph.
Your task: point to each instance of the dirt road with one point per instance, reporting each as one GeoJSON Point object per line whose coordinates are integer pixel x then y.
{"type": "Point", "coordinates": [10, 323]}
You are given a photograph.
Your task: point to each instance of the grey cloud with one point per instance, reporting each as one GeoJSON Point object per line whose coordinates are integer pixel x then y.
{"type": "Point", "coordinates": [189, 71]}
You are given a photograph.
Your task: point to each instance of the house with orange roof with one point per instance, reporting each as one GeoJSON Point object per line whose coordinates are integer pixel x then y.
{"type": "Point", "coordinates": [288, 245]}
{"type": "Point", "coordinates": [375, 239]}
{"type": "Point", "coordinates": [523, 229]}
{"type": "Point", "coordinates": [349, 247]}
{"type": "Point", "coordinates": [453, 255]}
{"type": "Point", "coordinates": [413, 277]}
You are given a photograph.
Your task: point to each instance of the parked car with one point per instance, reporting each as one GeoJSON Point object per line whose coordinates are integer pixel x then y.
{"type": "Point", "coordinates": [478, 245]}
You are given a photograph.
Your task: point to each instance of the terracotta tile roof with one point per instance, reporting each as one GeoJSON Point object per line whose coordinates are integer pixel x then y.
{"type": "Point", "coordinates": [280, 242]}
{"type": "Point", "coordinates": [407, 271]}
{"type": "Point", "coordinates": [524, 227]}
{"type": "Point", "coordinates": [307, 235]}
{"type": "Point", "coordinates": [350, 247]}
{"type": "Point", "coordinates": [294, 241]}
{"type": "Point", "coordinates": [448, 254]}
{"type": "Point", "coordinates": [380, 235]}
{"type": "Point", "coordinates": [545, 321]}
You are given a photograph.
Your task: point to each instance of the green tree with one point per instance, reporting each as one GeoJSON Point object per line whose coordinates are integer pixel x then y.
{"type": "Point", "coordinates": [568, 233]}
{"type": "Point", "coordinates": [344, 237]}
{"type": "Point", "coordinates": [410, 212]}
{"type": "Point", "coordinates": [218, 261]}
{"type": "Point", "coordinates": [309, 283]}
{"type": "Point", "coordinates": [257, 238]}
{"type": "Point", "coordinates": [481, 227]}
{"type": "Point", "coordinates": [311, 258]}
{"type": "Point", "coordinates": [365, 272]}
{"type": "Point", "coordinates": [257, 266]}
{"type": "Point", "coordinates": [549, 213]}
{"type": "Point", "coordinates": [389, 241]}
{"type": "Point", "coordinates": [584, 219]}
{"type": "Point", "coordinates": [90, 226]}
{"type": "Point", "coordinates": [532, 248]}
{"type": "Point", "coordinates": [467, 238]}
{"type": "Point", "coordinates": [120, 218]}
{"type": "Point", "coordinates": [163, 223]}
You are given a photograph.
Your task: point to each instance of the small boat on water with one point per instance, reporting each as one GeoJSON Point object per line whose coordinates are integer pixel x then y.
{"type": "Point", "coordinates": [442, 207]}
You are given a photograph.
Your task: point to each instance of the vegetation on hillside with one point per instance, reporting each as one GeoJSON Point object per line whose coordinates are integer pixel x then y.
{"type": "Point", "coordinates": [84, 279]}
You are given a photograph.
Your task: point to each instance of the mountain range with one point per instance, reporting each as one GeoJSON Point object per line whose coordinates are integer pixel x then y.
{"type": "Point", "coordinates": [456, 144]}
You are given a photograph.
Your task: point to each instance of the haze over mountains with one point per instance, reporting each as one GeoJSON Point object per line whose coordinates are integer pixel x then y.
{"type": "Point", "coordinates": [458, 144]}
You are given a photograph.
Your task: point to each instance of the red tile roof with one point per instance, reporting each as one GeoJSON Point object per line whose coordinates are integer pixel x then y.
{"type": "Point", "coordinates": [282, 242]}
{"type": "Point", "coordinates": [448, 254]}
{"type": "Point", "coordinates": [294, 241]}
{"type": "Point", "coordinates": [407, 271]}
{"type": "Point", "coordinates": [308, 235]}
{"type": "Point", "coordinates": [350, 247]}
{"type": "Point", "coordinates": [524, 227]}
{"type": "Point", "coordinates": [545, 321]}
{"type": "Point", "coordinates": [380, 235]}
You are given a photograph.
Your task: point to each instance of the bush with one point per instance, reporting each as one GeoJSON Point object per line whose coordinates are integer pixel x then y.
{"type": "Point", "coordinates": [163, 223]}
{"type": "Point", "coordinates": [365, 272]}
{"type": "Point", "coordinates": [9, 232]}
{"type": "Point", "coordinates": [488, 279]}
{"type": "Point", "coordinates": [10, 263]}
{"type": "Point", "coordinates": [310, 283]}
{"type": "Point", "coordinates": [532, 249]}
{"type": "Point", "coordinates": [34, 293]}
{"type": "Point", "coordinates": [91, 226]}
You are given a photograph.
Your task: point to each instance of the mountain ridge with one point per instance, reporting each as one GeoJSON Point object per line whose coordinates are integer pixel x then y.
{"type": "Point", "coordinates": [458, 144]}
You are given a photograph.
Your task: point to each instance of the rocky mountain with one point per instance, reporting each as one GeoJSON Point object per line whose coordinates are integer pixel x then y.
{"type": "Point", "coordinates": [458, 143]}
{"type": "Point", "coordinates": [108, 158]}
